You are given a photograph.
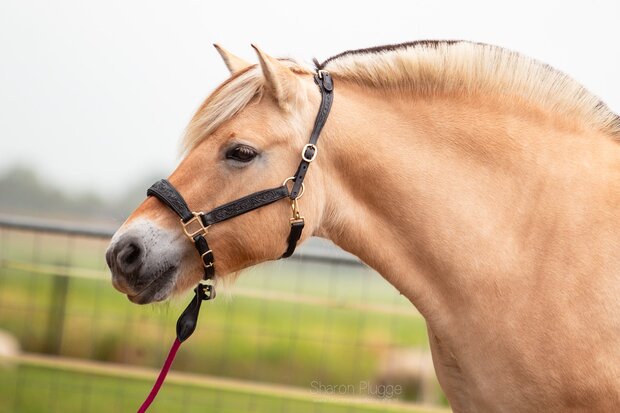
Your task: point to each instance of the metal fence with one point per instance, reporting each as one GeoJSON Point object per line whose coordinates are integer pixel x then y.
{"type": "Point", "coordinates": [319, 332]}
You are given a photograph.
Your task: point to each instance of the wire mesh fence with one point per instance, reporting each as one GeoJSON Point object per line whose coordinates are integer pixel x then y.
{"type": "Point", "coordinates": [317, 333]}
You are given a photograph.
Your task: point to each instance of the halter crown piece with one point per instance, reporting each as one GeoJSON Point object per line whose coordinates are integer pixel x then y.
{"type": "Point", "coordinates": [196, 225]}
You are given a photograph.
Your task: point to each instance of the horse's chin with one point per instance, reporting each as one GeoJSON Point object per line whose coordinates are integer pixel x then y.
{"type": "Point", "coordinates": [160, 289]}
{"type": "Point", "coordinates": [142, 299]}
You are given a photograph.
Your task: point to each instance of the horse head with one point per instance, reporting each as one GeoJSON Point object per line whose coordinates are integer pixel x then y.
{"type": "Point", "coordinates": [247, 136]}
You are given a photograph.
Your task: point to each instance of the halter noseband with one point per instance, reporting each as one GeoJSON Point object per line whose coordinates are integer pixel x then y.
{"type": "Point", "coordinates": [196, 224]}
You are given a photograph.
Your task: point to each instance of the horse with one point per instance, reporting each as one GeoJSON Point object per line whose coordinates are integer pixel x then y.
{"type": "Point", "coordinates": [484, 185]}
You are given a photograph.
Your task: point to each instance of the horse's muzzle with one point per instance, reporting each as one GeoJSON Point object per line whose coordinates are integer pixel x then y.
{"type": "Point", "coordinates": [142, 265]}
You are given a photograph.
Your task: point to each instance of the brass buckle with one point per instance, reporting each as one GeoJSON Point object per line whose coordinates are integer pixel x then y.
{"type": "Point", "coordinates": [202, 258]}
{"type": "Point", "coordinates": [306, 147]}
{"type": "Point", "coordinates": [194, 226]}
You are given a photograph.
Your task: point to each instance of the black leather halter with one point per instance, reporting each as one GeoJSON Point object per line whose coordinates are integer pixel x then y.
{"type": "Point", "coordinates": [196, 224]}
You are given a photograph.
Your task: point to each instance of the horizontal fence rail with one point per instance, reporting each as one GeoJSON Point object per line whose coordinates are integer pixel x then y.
{"type": "Point", "coordinates": [315, 249]}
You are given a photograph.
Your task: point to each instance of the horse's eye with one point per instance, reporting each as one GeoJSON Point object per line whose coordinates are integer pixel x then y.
{"type": "Point", "coordinates": [241, 153]}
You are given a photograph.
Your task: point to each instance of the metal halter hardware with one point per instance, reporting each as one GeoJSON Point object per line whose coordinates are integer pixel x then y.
{"type": "Point", "coordinates": [196, 220]}
{"type": "Point", "coordinates": [305, 149]}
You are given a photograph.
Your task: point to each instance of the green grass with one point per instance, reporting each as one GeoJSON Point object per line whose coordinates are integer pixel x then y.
{"type": "Point", "coordinates": [245, 338]}
{"type": "Point", "coordinates": [239, 337]}
{"type": "Point", "coordinates": [32, 389]}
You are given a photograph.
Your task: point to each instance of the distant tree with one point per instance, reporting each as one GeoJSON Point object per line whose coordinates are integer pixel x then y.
{"type": "Point", "coordinates": [23, 192]}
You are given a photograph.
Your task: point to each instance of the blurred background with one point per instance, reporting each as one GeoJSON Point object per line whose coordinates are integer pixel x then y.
{"type": "Point", "coordinates": [94, 97]}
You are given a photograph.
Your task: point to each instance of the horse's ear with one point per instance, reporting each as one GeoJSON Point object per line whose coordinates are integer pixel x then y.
{"type": "Point", "coordinates": [281, 82]}
{"type": "Point", "coordinates": [232, 62]}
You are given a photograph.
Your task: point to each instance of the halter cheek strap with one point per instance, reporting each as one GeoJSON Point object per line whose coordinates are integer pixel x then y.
{"type": "Point", "coordinates": [309, 152]}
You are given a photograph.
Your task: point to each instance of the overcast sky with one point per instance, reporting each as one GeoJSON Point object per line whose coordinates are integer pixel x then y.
{"type": "Point", "coordinates": [96, 94]}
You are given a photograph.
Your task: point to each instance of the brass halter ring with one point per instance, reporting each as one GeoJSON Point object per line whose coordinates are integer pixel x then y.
{"type": "Point", "coordinates": [291, 179]}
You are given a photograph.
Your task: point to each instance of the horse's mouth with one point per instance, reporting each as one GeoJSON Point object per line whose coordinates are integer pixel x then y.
{"type": "Point", "coordinates": [157, 290]}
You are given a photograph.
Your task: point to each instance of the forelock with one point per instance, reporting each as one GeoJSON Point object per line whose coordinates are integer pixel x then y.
{"type": "Point", "coordinates": [230, 98]}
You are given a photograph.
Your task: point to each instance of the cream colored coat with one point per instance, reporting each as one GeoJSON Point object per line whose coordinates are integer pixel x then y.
{"type": "Point", "coordinates": [489, 196]}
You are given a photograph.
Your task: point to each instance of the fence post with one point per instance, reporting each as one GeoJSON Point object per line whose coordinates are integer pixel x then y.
{"type": "Point", "coordinates": [56, 318]}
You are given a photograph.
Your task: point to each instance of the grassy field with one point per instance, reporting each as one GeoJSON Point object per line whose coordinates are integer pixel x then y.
{"type": "Point", "coordinates": [32, 389]}
{"type": "Point", "coordinates": [328, 335]}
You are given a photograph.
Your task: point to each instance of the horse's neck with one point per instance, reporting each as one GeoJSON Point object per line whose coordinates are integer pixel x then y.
{"type": "Point", "coordinates": [442, 197]}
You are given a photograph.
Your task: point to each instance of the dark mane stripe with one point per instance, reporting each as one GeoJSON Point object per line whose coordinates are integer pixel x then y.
{"type": "Point", "coordinates": [388, 48]}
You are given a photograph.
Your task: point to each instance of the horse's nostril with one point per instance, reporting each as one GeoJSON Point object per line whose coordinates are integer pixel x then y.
{"type": "Point", "coordinates": [129, 255]}
{"type": "Point", "coordinates": [133, 253]}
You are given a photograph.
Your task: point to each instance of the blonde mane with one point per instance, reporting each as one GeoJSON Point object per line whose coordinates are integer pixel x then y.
{"type": "Point", "coordinates": [431, 68]}
{"type": "Point", "coordinates": [425, 68]}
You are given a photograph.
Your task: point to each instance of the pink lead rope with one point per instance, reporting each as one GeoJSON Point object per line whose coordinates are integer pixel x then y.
{"type": "Point", "coordinates": [186, 324]}
{"type": "Point", "coordinates": [162, 376]}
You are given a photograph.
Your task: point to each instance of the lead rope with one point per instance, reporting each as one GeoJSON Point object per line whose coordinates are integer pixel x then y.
{"type": "Point", "coordinates": [162, 376]}
{"type": "Point", "coordinates": [186, 324]}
